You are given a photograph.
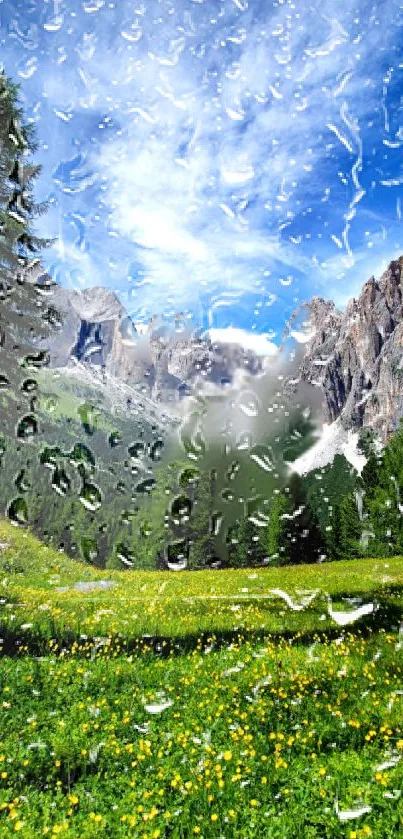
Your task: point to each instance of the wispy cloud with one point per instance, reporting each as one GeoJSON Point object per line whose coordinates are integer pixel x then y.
{"type": "Point", "coordinates": [220, 147]}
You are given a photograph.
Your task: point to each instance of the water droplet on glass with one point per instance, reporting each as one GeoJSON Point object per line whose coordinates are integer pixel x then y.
{"type": "Point", "coordinates": [160, 704]}
{"type": "Point", "coordinates": [115, 439]}
{"type": "Point", "coordinates": [215, 523]}
{"type": "Point", "coordinates": [137, 450]}
{"type": "Point", "coordinates": [89, 549]}
{"type": "Point", "coordinates": [156, 450]}
{"type": "Point", "coordinates": [249, 404]}
{"type": "Point", "coordinates": [146, 486]}
{"type": "Point", "coordinates": [125, 555]}
{"type": "Point", "coordinates": [27, 427]}
{"type": "Point", "coordinates": [17, 511]}
{"type": "Point", "coordinates": [21, 482]}
{"type": "Point", "coordinates": [29, 385]}
{"type": "Point", "coordinates": [181, 509]}
{"type": "Point", "coordinates": [36, 361]}
{"type": "Point", "coordinates": [90, 496]}
{"type": "Point", "coordinates": [60, 481]}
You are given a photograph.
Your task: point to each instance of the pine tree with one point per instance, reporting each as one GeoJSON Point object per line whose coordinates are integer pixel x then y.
{"type": "Point", "coordinates": [306, 542]}
{"type": "Point", "coordinates": [202, 547]}
{"type": "Point", "coordinates": [347, 528]}
{"type": "Point", "coordinates": [18, 174]}
{"type": "Point", "coordinates": [277, 529]}
{"type": "Point", "coordinates": [249, 549]}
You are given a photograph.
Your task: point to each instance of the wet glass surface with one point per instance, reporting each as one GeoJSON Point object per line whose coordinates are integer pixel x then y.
{"type": "Point", "coordinates": [201, 455]}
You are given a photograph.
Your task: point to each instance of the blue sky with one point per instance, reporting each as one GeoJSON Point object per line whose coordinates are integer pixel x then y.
{"type": "Point", "coordinates": [221, 158]}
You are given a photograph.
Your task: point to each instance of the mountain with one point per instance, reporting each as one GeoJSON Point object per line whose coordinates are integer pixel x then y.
{"type": "Point", "coordinates": [94, 330]}
{"type": "Point", "coordinates": [356, 356]}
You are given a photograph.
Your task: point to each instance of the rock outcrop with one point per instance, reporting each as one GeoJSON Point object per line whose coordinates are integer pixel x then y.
{"type": "Point", "coordinates": [356, 356]}
{"type": "Point", "coordinates": [94, 329]}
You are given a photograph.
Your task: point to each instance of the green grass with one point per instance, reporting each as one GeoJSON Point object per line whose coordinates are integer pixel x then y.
{"type": "Point", "coordinates": [41, 589]}
{"type": "Point", "coordinates": [256, 722]}
{"type": "Point", "coordinates": [60, 399]}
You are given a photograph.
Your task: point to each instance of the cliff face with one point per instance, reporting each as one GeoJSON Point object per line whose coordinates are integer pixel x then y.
{"type": "Point", "coordinates": [356, 357]}
{"type": "Point", "coordinates": [94, 329]}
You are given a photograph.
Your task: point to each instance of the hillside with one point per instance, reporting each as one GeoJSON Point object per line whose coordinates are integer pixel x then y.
{"type": "Point", "coordinates": [57, 598]}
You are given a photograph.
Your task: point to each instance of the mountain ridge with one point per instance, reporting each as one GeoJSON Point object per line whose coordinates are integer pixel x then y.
{"type": "Point", "coordinates": [356, 356]}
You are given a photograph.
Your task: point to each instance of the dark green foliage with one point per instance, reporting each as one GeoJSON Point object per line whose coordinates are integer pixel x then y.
{"type": "Point", "coordinates": [18, 174]}
{"type": "Point", "coordinates": [305, 540]}
{"type": "Point", "coordinates": [370, 474]}
{"type": "Point", "coordinates": [293, 533]}
{"type": "Point", "coordinates": [344, 537]}
{"type": "Point", "coordinates": [327, 486]}
{"type": "Point", "coordinates": [300, 436]}
{"type": "Point", "coordinates": [249, 548]}
{"type": "Point", "coordinates": [199, 528]}
{"type": "Point", "coordinates": [366, 441]}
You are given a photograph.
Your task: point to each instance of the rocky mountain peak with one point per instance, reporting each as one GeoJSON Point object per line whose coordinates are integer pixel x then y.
{"type": "Point", "coordinates": [356, 357]}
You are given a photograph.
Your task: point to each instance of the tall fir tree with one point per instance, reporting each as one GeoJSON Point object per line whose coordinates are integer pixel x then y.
{"type": "Point", "coordinates": [18, 208]}
{"type": "Point", "coordinates": [344, 538]}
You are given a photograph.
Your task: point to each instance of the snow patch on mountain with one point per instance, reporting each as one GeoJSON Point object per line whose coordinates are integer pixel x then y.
{"type": "Point", "coordinates": [333, 440]}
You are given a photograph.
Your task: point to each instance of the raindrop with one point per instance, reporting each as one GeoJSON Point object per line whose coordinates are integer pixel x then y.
{"type": "Point", "coordinates": [89, 549]}
{"type": "Point", "coordinates": [132, 32]}
{"type": "Point", "coordinates": [125, 555]}
{"type": "Point", "coordinates": [343, 618]}
{"type": "Point", "coordinates": [52, 317]}
{"type": "Point", "coordinates": [128, 332]}
{"type": "Point", "coordinates": [233, 470]}
{"type": "Point", "coordinates": [136, 450]}
{"type": "Point", "coordinates": [48, 456]}
{"type": "Point", "coordinates": [60, 481]}
{"type": "Point", "coordinates": [41, 359]}
{"type": "Point", "coordinates": [249, 404]}
{"type": "Point", "coordinates": [244, 441]}
{"type": "Point", "coordinates": [17, 511]}
{"type": "Point", "coordinates": [156, 450]}
{"type": "Point", "coordinates": [181, 509]}
{"type": "Point", "coordinates": [161, 704]}
{"type": "Point", "coordinates": [29, 385]}
{"type": "Point", "coordinates": [4, 382]}
{"type": "Point", "coordinates": [27, 427]}
{"type": "Point", "coordinates": [263, 457]}
{"type": "Point", "coordinates": [91, 6]}
{"type": "Point", "coordinates": [190, 475]}
{"type": "Point", "coordinates": [177, 555]}
{"type": "Point", "coordinates": [355, 813]}
{"type": "Point", "coordinates": [81, 454]}
{"type": "Point", "coordinates": [54, 23]}
{"type": "Point", "coordinates": [215, 523]}
{"type": "Point", "coordinates": [90, 496]}
{"type": "Point", "coordinates": [114, 439]}
{"type": "Point", "coordinates": [87, 414]}
{"type": "Point", "coordinates": [21, 482]}
{"type": "Point", "coordinates": [128, 515]}
{"type": "Point", "coordinates": [146, 486]}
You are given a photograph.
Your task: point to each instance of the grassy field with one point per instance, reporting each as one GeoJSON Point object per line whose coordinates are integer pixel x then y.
{"type": "Point", "coordinates": [264, 703]}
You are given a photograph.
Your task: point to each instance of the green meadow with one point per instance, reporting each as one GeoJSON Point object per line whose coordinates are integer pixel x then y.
{"type": "Point", "coordinates": [237, 703]}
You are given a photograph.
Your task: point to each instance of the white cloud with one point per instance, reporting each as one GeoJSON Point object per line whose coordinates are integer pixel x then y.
{"type": "Point", "coordinates": [259, 344]}
{"type": "Point", "coordinates": [236, 134]}
{"type": "Point", "coordinates": [203, 195]}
